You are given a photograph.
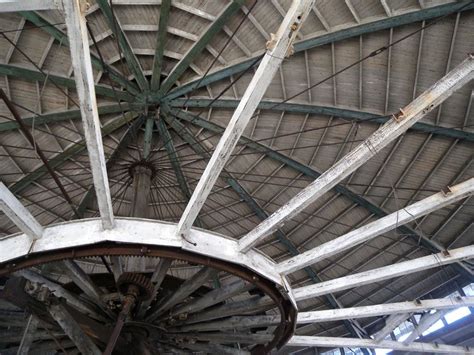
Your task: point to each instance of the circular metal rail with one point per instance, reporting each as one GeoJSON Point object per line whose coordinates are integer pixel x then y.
{"type": "Point", "coordinates": [249, 270]}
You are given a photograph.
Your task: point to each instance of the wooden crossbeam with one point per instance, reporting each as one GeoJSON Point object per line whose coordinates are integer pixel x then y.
{"type": "Point", "coordinates": [213, 297]}
{"type": "Point", "coordinates": [252, 305]}
{"type": "Point", "coordinates": [59, 291]}
{"type": "Point", "coordinates": [277, 49]}
{"type": "Point", "coordinates": [406, 118]}
{"type": "Point", "coordinates": [84, 78]}
{"type": "Point", "coordinates": [383, 309]}
{"type": "Point", "coordinates": [18, 214]}
{"type": "Point", "coordinates": [186, 288]}
{"type": "Point", "coordinates": [380, 226]}
{"type": "Point", "coordinates": [426, 321]}
{"type": "Point", "coordinates": [73, 330]}
{"type": "Point", "coordinates": [384, 273]}
{"type": "Point", "coordinates": [392, 321]}
{"type": "Point", "coordinates": [335, 342]}
{"type": "Point", "coordinates": [309, 171]}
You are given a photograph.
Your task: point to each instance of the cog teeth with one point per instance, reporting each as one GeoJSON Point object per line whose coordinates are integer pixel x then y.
{"type": "Point", "coordinates": [136, 279]}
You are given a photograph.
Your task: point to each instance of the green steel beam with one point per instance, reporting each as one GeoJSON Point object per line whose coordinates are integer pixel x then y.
{"type": "Point", "coordinates": [199, 46]}
{"type": "Point", "coordinates": [34, 76]}
{"type": "Point", "coordinates": [174, 159]}
{"type": "Point", "coordinates": [355, 31]}
{"type": "Point", "coordinates": [68, 153]}
{"type": "Point", "coordinates": [187, 136]}
{"type": "Point", "coordinates": [310, 109]}
{"type": "Point", "coordinates": [308, 171]}
{"type": "Point", "coordinates": [60, 116]}
{"type": "Point", "coordinates": [62, 38]}
{"type": "Point", "coordinates": [160, 44]}
{"type": "Point", "coordinates": [132, 61]}
{"type": "Point", "coordinates": [127, 136]}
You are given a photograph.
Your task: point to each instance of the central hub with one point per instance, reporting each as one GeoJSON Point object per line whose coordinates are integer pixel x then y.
{"type": "Point", "coordinates": [142, 167]}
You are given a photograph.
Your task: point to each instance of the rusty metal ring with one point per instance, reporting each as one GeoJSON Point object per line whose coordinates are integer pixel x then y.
{"type": "Point", "coordinates": [288, 312]}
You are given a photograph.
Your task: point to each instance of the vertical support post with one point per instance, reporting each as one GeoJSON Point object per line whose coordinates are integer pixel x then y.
{"type": "Point", "coordinates": [148, 136]}
{"type": "Point", "coordinates": [141, 190]}
{"type": "Point", "coordinates": [142, 176]}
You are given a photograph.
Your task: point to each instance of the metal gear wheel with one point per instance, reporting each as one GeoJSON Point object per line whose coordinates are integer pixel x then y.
{"type": "Point", "coordinates": [143, 284]}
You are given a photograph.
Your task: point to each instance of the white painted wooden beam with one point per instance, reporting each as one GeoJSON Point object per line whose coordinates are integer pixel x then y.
{"type": "Point", "coordinates": [85, 283]}
{"type": "Point", "coordinates": [384, 273]}
{"type": "Point", "coordinates": [59, 292]}
{"type": "Point", "coordinates": [81, 279]}
{"type": "Point", "coordinates": [254, 304]}
{"type": "Point", "coordinates": [213, 297]}
{"type": "Point", "coordinates": [407, 117]}
{"type": "Point", "coordinates": [425, 323]}
{"type": "Point", "coordinates": [382, 225]}
{"type": "Point", "coordinates": [228, 337]}
{"type": "Point", "coordinates": [392, 321]}
{"type": "Point", "coordinates": [278, 48]}
{"type": "Point", "coordinates": [117, 266]}
{"type": "Point", "coordinates": [334, 342]}
{"type": "Point", "coordinates": [210, 348]}
{"type": "Point", "coordinates": [84, 78]}
{"type": "Point", "coordinates": [383, 309]}
{"type": "Point", "coordinates": [186, 288]}
{"type": "Point", "coordinates": [237, 322]}
{"type": "Point", "coordinates": [73, 330]}
{"type": "Point", "coordinates": [18, 214]}
{"type": "Point", "coordinates": [29, 5]}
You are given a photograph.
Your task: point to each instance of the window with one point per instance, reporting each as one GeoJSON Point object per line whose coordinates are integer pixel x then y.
{"type": "Point", "coordinates": [404, 329]}
{"type": "Point", "coordinates": [438, 325]}
{"type": "Point", "coordinates": [457, 314]}
{"type": "Point", "coordinates": [469, 290]}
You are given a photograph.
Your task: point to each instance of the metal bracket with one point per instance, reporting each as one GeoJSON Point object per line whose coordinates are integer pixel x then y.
{"type": "Point", "coordinates": [447, 191]}
{"type": "Point", "coordinates": [399, 116]}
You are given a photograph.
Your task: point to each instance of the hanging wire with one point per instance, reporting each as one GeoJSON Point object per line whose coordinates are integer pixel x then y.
{"type": "Point", "coordinates": [370, 55]}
